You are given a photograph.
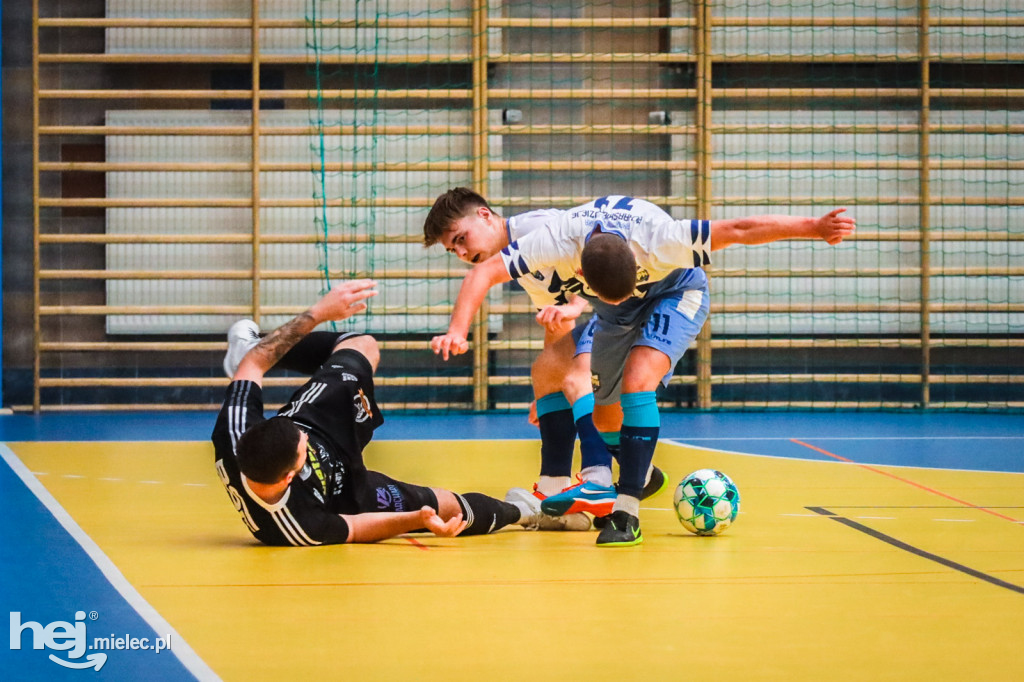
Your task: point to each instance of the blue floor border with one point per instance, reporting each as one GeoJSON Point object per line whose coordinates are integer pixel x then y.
{"type": "Point", "coordinates": [69, 607]}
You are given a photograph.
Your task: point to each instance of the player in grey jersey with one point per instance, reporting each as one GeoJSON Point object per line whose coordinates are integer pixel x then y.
{"type": "Point", "coordinates": [640, 270]}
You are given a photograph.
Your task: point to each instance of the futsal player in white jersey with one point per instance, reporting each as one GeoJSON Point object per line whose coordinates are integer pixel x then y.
{"type": "Point", "coordinates": [464, 223]}
{"type": "Point", "coordinates": [641, 271]}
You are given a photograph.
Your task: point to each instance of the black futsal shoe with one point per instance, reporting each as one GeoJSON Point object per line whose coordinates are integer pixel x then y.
{"type": "Point", "coordinates": [654, 486]}
{"type": "Point", "coordinates": [621, 530]}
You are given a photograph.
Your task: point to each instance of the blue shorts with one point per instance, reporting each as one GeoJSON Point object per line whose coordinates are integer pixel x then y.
{"type": "Point", "coordinates": [583, 335]}
{"type": "Point", "coordinates": [669, 325]}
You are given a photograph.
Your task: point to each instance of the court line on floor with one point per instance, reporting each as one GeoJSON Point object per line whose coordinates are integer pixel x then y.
{"type": "Point", "coordinates": [112, 479]}
{"type": "Point", "coordinates": [915, 484]}
{"type": "Point", "coordinates": [692, 445]}
{"type": "Point", "coordinates": [184, 653]}
{"type": "Point", "coordinates": [572, 582]}
{"type": "Point", "coordinates": [963, 437]}
{"type": "Point", "coordinates": [917, 506]}
{"type": "Point", "coordinates": [899, 544]}
{"type": "Point", "coordinates": [411, 541]}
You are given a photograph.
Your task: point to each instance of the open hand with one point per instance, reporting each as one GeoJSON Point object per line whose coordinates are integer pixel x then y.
{"type": "Point", "coordinates": [833, 228]}
{"type": "Point", "coordinates": [344, 300]}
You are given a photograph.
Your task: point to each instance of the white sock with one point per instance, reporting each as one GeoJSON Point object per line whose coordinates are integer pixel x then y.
{"type": "Point", "coordinates": [628, 504]}
{"type": "Point", "coordinates": [650, 470]}
{"type": "Point", "coordinates": [600, 475]}
{"type": "Point", "coordinates": [552, 485]}
{"type": "Point", "coordinates": [525, 513]}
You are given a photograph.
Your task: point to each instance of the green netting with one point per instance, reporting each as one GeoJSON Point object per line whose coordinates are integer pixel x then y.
{"type": "Point", "coordinates": [772, 107]}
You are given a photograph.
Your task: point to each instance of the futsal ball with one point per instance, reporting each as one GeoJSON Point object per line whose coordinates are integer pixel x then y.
{"type": "Point", "coordinates": [707, 502]}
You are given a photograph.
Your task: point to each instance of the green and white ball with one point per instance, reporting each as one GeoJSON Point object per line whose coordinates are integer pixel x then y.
{"type": "Point", "coordinates": [707, 502]}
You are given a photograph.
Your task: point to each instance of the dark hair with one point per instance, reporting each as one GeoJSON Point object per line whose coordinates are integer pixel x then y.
{"type": "Point", "coordinates": [609, 266]}
{"type": "Point", "coordinates": [268, 450]}
{"type": "Point", "coordinates": [456, 203]}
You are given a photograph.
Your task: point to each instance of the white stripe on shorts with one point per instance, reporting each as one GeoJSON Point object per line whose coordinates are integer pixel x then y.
{"type": "Point", "coordinates": [689, 304]}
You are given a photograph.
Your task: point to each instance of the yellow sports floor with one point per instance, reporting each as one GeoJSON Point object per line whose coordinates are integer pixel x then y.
{"type": "Point", "coordinates": [913, 578]}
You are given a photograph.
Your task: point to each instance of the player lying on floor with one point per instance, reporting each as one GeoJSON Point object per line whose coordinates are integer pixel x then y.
{"type": "Point", "coordinates": [299, 477]}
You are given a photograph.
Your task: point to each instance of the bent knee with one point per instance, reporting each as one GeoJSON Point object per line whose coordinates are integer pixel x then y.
{"type": "Point", "coordinates": [366, 345]}
{"type": "Point", "coordinates": [607, 418]}
{"type": "Point", "coordinates": [555, 360]}
{"type": "Point", "coordinates": [547, 372]}
{"type": "Point", "coordinates": [577, 381]}
{"type": "Point", "coordinates": [447, 505]}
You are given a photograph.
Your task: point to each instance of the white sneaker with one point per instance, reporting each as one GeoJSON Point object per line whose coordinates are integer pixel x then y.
{"type": "Point", "coordinates": [534, 519]}
{"type": "Point", "coordinates": [242, 337]}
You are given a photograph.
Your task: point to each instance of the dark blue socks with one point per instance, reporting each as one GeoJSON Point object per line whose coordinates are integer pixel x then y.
{"type": "Point", "coordinates": [557, 435]}
{"type": "Point", "coordinates": [593, 450]}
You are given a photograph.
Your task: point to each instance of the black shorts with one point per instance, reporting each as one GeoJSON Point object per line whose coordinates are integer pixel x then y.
{"type": "Point", "coordinates": [374, 492]}
{"type": "Point", "coordinates": [338, 406]}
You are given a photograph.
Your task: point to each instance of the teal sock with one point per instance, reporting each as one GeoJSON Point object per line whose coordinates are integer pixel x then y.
{"type": "Point", "coordinates": [641, 424]}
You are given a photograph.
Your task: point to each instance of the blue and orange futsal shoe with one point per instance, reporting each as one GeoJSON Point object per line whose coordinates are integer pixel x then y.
{"type": "Point", "coordinates": [585, 496]}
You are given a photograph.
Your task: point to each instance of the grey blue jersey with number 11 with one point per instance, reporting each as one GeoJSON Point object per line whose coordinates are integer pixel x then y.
{"type": "Point", "coordinates": [669, 302]}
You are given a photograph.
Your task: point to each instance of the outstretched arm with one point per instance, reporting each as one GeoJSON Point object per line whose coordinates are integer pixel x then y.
{"type": "Point", "coordinates": [343, 301]}
{"type": "Point", "coordinates": [374, 526]}
{"type": "Point", "coordinates": [762, 229]}
{"type": "Point", "coordinates": [474, 289]}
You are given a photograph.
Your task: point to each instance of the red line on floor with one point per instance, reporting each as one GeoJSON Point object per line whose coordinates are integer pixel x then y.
{"type": "Point", "coordinates": [904, 480]}
{"type": "Point", "coordinates": [416, 543]}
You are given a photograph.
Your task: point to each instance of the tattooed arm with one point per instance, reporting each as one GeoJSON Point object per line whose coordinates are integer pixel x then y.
{"type": "Point", "coordinates": [343, 301]}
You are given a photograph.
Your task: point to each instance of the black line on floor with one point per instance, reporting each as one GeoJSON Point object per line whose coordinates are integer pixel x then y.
{"type": "Point", "coordinates": [923, 507]}
{"type": "Point", "coordinates": [916, 551]}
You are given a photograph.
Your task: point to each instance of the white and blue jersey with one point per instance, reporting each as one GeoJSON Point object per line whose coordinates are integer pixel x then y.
{"type": "Point", "coordinates": [668, 252]}
{"type": "Point", "coordinates": [669, 302]}
{"type": "Point", "coordinates": [543, 285]}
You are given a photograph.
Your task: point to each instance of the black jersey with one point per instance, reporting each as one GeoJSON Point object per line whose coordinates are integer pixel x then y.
{"type": "Point", "coordinates": [337, 410]}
